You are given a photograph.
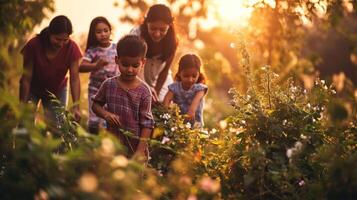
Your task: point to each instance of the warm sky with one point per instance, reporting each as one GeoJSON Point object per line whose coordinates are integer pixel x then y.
{"type": "Point", "coordinates": [81, 12]}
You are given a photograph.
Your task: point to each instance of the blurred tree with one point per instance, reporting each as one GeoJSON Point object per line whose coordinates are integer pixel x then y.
{"type": "Point", "coordinates": [18, 17]}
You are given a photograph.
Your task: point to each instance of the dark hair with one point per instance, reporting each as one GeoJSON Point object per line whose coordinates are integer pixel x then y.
{"type": "Point", "coordinates": [190, 61]}
{"type": "Point", "coordinates": [92, 40]}
{"type": "Point", "coordinates": [132, 46]}
{"type": "Point", "coordinates": [59, 24]}
{"type": "Point", "coordinates": [160, 12]}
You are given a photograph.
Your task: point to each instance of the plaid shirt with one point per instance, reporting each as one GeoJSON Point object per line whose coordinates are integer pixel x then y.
{"type": "Point", "coordinates": [133, 106]}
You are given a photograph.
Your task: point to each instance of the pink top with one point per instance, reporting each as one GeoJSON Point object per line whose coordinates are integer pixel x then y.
{"type": "Point", "coordinates": [49, 75]}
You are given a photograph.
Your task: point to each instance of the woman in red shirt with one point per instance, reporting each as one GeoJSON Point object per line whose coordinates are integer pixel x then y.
{"type": "Point", "coordinates": [47, 59]}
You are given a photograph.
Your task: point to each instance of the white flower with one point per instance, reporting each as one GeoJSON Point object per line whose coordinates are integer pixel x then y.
{"type": "Point", "coordinates": [298, 146]}
{"type": "Point", "coordinates": [188, 125]}
{"type": "Point", "coordinates": [313, 120]}
{"type": "Point", "coordinates": [243, 122]}
{"type": "Point", "coordinates": [301, 183]}
{"type": "Point", "coordinates": [284, 122]}
{"type": "Point", "coordinates": [325, 87]}
{"type": "Point", "coordinates": [165, 140]}
{"type": "Point", "coordinates": [173, 128]}
{"type": "Point", "coordinates": [119, 161]}
{"type": "Point", "coordinates": [322, 81]}
{"type": "Point", "coordinates": [289, 152]}
{"type": "Point", "coordinates": [166, 116]}
{"type": "Point", "coordinates": [309, 105]}
{"type": "Point", "coordinates": [19, 131]}
{"type": "Point", "coordinates": [302, 136]}
{"type": "Point", "coordinates": [333, 91]}
{"type": "Point", "coordinates": [305, 91]}
{"type": "Point", "coordinates": [213, 131]}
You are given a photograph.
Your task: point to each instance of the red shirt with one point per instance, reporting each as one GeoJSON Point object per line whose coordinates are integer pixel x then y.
{"type": "Point", "coordinates": [49, 75]}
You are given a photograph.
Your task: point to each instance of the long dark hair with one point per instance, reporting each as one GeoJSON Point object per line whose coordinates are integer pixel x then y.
{"type": "Point", "coordinates": [59, 24]}
{"type": "Point", "coordinates": [92, 40]}
{"type": "Point", "coordinates": [160, 12]}
{"type": "Point", "coordinates": [190, 61]}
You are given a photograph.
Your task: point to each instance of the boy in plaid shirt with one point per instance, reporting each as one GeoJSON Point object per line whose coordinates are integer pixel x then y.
{"type": "Point", "coordinates": [127, 97]}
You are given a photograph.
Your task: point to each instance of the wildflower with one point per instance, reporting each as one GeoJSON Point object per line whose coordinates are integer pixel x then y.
{"type": "Point", "coordinates": [107, 147]}
{"type": "Point", "coordinates": [302, 136]}
{"type": "Point", "coordinates": [323, 82]}
{"type": "Point", "coordinates": [213, 131]}
{"type": "Point", "coordinates": [289, 153]}
{"type": "Point", "coordinates": [88, 182]}
{"type": "Point", "coordinates": [209, 185]}
{"type": "Point", "coordinates": [41, 195]}
{"type": "Point", "coordinates": [188, 125]}
{"type": "Point", "coordinates": [298, 146]}
{"type": "Point", "coordinates": [165, 140]}
{"type": "Point", "coordinates": [333, 91]}
{"type": "Point", "coordinates": [232, 45]}
{"type": "Point", "coordinates": [284, 122]}
{"type": "Point", "coordinates": [19, 131]}
{"type": "Point", "coordinates": [223, 124]}
{"type": "Point", "coordinates": [192, 197]}
{"type": "Point", "coordinates": [305, 91]}
{"type": "Point", "coordinates": [301, 183]}
{"type": "Point", "coordinates": [166, 116]}
{"type": "Point", "coordinates": [325, 87]}
{"type": "Point", "coordinates": [173, 129]}
{"type": "Point", "coordinates": [118, 175]}
{"type": "Point", "coordinates": [309, 105]}
{"type": "Point", "coordinates": [243, 122]}
{"type": "Point", "coordinates": [119, 161]}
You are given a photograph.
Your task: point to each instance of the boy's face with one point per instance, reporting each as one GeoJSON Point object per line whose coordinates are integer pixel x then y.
{"type": "Point", "coordinates": [129, 67]}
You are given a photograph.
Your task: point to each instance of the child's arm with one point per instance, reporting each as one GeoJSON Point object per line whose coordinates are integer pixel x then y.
{"type": "Point", "coordinates": [87, 66]}
{"type": "Point", "coordinates": [168, 98]}
{"type": "Point", "coordinates": [193, 107]}
{"type": "Point", "coordinates": [143, 144]}
{"type": "Point", "coordinates": [111, 118]}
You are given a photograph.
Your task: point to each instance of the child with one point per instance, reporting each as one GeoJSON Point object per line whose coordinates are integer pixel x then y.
{"type": "Point", "coordinates": [127, 97]}
{"type": "Point", "coordinates": [188, 90]}
{"type": "Point", "coordinates": [99, 60]}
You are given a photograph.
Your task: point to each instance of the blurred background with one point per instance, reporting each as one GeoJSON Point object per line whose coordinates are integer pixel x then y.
{"type": "Point", "coordinates": [298, 39]}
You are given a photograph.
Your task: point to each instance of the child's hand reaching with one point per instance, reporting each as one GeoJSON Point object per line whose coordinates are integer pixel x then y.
{"type": "Point", "coordinates": [113, 119]}
{"type": "Point", "coordinates": [100, 63]}
{"type": "Point", "coordinates": [190, 115]}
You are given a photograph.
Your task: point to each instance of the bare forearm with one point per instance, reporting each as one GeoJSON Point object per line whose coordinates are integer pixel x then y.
{"type": "Point", "coordinates": [99, 110]}
{"type": "Point", "coordinates": [87, 67]}
{"type": "Point", "coordinates": [161, 80]}
{"type": "Point", "coordinates": [75, 88]}
{"type": "Point", "coordinates": [196, 101]}
{"type": "Point", "coordinates": [24, 89]}
{"type": "Point", "coordinates": [145, 135]}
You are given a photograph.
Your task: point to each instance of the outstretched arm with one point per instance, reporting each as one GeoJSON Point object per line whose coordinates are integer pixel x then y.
{"type": "Point", "coordinates": [163, 75]}
{"type": "Point", "coordinates": [87, 66]}
{"type": "Point", "coordinates": [25, 81]}
{"type": "Point", "coordinates": [168, 98]}
{"type": "Point", "coordinates": [193, 107]}
{"type": "Point", "coordinates": [75, 88]}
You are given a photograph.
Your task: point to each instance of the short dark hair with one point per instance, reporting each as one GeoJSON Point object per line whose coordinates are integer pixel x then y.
{"type": "Point", "coordinates": [59, 24]}
{"type": "Point", "coordinates": [132, 46]}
